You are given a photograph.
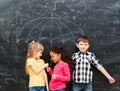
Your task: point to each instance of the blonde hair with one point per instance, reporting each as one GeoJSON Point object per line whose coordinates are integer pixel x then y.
{"type": "Point", "coordinates": [33, 47]}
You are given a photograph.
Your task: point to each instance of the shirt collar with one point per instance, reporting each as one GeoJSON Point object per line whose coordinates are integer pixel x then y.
{"type": "Point", "coordinates": [83, 53]}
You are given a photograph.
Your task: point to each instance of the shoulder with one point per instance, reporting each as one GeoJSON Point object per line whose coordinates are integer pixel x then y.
{"type": "Point", "coordinates": [41, 61]}
{"type": "Point", "coordinates": [65, 63]}
{"type": "Point", "coordinates": [90, 53]}
{"type": "Point", "coordinates": [30, 59]}
{"type": "Point", "coordinates": [62, 64]}
{"type": "Point", "coordinates": [76, 53]}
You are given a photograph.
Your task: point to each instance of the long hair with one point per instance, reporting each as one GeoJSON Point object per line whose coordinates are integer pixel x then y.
{"type": "Point", "coordinates": [65, 56]}
{"type": "Point", "coordinates": [33, 47]}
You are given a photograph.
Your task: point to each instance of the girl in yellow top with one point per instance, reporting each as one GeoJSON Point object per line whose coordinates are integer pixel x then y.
{"type": "Point", "coordinates": [35, 67]}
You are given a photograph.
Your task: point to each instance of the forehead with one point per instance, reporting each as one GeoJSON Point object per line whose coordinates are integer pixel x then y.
{"type": "Point", "coordinates": [53, 53]}
{"type": "Point", "coordinates": [83, 42]}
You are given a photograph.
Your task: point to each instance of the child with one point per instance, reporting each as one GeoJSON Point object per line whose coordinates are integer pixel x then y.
{"type": "Point", "coordinates": [61, 72]}
{"type": "Point", "coordinates": [35, 67]}
{"type": "Point", "coordinates": [82, 75]}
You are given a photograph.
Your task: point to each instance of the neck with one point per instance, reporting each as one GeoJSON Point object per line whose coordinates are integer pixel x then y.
{"type": "Point", "coordinates": [36, 58]}
{"type": "Point", "coordinates": [83, 52]}
{"type": "Point", "coordinates": [60, 61]}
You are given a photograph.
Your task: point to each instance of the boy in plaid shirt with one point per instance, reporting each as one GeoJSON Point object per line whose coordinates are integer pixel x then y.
{"type": "Point", "coordinates": [82, 75]}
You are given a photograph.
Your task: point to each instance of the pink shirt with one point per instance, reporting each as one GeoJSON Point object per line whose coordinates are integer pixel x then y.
{"type": "Point", "coordinates": [62, 72]}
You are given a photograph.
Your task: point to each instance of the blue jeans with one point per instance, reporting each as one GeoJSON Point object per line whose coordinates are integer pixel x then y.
{"type": "Point", "coordinates": [58, 90]}
{"type": "Point", "coordinates": [82, 86]}
{"type": "Point", "coordinates": [37, 88]}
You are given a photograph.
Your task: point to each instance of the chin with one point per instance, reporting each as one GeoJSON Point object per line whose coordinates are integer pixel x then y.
{"type": "Point", "coordinates": [83, 51]}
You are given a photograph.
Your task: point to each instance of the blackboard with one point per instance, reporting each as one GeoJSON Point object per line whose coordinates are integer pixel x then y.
{"type": "Point", "coordinates": [58, 21]}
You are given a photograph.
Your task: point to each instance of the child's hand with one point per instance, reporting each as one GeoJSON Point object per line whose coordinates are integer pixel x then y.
{"type": "Point", "coordinates": [46, 65]}
{"type": "Point", "coordinates": [111, 80]}
{"type": "Point", "coordinates": [53, 76]}
{"type": "Point", "coordinates": [48, 68]}
{"type": "Point", "coordinates": [47, 88]}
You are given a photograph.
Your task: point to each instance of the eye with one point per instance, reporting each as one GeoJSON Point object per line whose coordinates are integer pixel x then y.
{"type": "Point", "coordinates": [86, 44]}
{"type": "Point", "coordinates": [81, 44]}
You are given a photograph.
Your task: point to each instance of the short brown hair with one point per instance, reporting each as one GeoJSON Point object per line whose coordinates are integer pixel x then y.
{"type": "Point", "coordinates": [83, 39]}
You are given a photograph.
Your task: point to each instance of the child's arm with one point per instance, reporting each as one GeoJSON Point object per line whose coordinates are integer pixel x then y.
{"type": "Point", "coordinates": [37, 70]}
{"type": "Point", "coordinates": [107, 75]}
{"type": "Point", "coordinates": [96, 63]}
{"type": "Point", "coordinates": [49, 70]}
{"type": "Point", "coordinates": [66, 77]}
{"type": "Point", "coordinates": [46, 80]}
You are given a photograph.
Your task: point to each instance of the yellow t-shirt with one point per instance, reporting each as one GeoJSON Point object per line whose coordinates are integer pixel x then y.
{"type": "Point", "coordinates": [35, 79]}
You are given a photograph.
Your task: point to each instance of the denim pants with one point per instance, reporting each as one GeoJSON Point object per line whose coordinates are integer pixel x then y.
{"type": "Point", "coordinates": [82, 86]}
{"type": "Point", "coordinates": [37, 88]}
{"type": "Point", "coordinates": [58, 90]}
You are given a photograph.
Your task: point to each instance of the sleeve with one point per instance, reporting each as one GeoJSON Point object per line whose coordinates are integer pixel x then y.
{"type": "Point", "coordinates": [66, 77]}
{"type": "Point", "coordinates": [95, 61]}
{"type": "Point", "coordinates": [29, 62]}
{"type": "Point", "coordinates": [50, 71]}
{"type": "Point", "coordinates": [73, 56]}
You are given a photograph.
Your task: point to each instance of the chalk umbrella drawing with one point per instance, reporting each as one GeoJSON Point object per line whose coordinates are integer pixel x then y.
{"type": "Point", "coordinates": [50, 28]}
{"type": "Point", "coordinates": [53, 23]}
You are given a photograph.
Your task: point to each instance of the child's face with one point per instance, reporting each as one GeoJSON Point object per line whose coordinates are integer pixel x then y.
{"type": "Point", "coordinates": [83, 46]}
{"type": "Point", "coordinates": [55, 57]}
{"type": "Point", "coordinates": [38, 54]}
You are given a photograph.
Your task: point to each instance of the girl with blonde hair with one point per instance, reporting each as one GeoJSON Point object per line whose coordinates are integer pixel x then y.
{"type": "Point", "coordinates": [35, 67]}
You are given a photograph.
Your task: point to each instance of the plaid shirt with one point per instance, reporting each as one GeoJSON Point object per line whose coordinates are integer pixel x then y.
{"type": "Point", "coordinates": [83, 72]}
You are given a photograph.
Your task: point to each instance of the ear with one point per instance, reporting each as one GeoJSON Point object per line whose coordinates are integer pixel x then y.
{"type": "Point", "coordinates": [59, 56]}
{"type": "Point", "coordinates": [77, 45]}
{"type": "Point", "coordinates": [89, 44]}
